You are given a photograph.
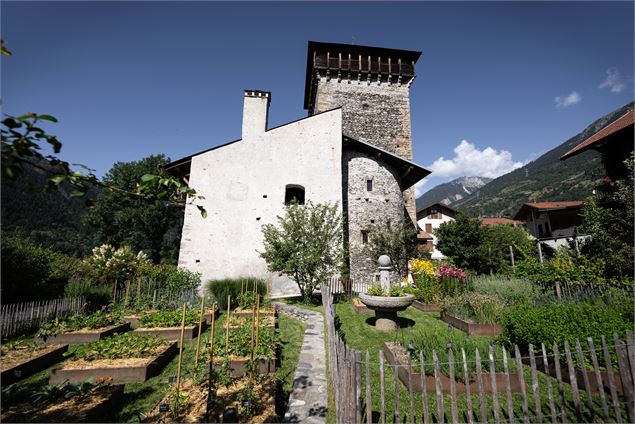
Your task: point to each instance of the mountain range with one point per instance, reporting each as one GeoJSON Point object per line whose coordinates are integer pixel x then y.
{"type": "Point", "coordinates": [452, 191]}
{"type": "Point", "coordinates": [544, 179]}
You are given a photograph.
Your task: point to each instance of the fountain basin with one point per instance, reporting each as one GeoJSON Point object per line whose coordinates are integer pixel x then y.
{"type": "Point", "coordinates": [386, 308]}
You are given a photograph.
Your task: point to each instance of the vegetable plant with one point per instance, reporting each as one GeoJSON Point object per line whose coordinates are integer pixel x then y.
{"type": "Point", "coordinates": [77, 322]}
{"type": "Point", "coordinates": [165, 319]}
{"type": "Point", "coordinates": [119, 346]}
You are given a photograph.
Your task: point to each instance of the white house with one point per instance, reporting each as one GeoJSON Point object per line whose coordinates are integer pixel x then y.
{"type": "Point", "coordinates": [329, 156]}
{"type": "Point", "coordinates": [429, 218]}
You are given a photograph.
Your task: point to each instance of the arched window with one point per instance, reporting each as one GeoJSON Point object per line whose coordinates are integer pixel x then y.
{"type": "Point", "coordinates": [292, 192]}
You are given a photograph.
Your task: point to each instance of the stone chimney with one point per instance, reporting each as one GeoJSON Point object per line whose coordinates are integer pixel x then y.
{"type": "Point", "coordinates": [255, 113]}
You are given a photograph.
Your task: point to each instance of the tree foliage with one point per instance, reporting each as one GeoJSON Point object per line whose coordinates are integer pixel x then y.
{"type": "Point", "coordinates": [460, 240]}
{"type": "Point", "coordinates": [482, 249]}
{"type": "Point", "coordinates": [306, 244]}
{"type": "Point", "coordinates": [608, 219]}
{"type": "Point", "coordinates": [142, 224]}
{"type": "Point", "coordinates": [398, 241]}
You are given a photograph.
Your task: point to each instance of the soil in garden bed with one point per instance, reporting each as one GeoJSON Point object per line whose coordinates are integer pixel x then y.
{"type": "Point", "coordinates": [85, 335]}
{"type": "Point", "coordinates": [24, 361]}
{"type": "Point", "coordinates": [121, 370]}
{"type": "Point", "coordinates": [193, 412]}
{"type": "Point", "coordinates": [97, 406]}
{"type": "Point", "coordinates": [264, 394]}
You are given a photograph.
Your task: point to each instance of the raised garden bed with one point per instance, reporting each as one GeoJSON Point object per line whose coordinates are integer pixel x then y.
{"type": "Point", "coordinates": [120, 370]}
{"type": "Point", "coordinates": [133, 320]}
{"type": "Point", "coordinates": [18, 364]}
{"type": "Point", "coordinates": [471, 328]}
{"type": "Point", "coordinates": [427, 307]}
{"type": "Point", "coordinates": [238, 366]}
{"type": "Point", "coordinates": [396, 355]}
{"type": "Point", "coordinates": [84, 336]}
{"type": "Point", "coordinates": [360, 308]}
{"type": "Point", "coordinates": [172, 333]}
{"type": "Point", "coordinates": [207, 315]}
{"type": "Point", "coordinates": [240, 312]}
{"type": "Point", "coordinates": [98, 406]}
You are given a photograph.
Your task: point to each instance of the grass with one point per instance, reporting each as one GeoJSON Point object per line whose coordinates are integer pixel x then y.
{"type": "Point", "coordinates": [360, 335]}
{"type": "Point", "coordinates": [141, 397]}
{"type": "Point", "coordinates": [298, 301]}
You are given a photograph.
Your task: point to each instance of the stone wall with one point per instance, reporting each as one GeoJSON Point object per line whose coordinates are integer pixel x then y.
{"type": "Point", "coordinates": [378, 113]}
{"type": "Point", "coordinates": [383, 205]}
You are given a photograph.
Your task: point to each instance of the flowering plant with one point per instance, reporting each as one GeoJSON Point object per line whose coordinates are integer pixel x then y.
{"type": "Point", "coordinates": [421, 267]}
{"type": "Point", "coordinates": [116, 264]}
{"type": "Point", "coordinates": [446, 270]}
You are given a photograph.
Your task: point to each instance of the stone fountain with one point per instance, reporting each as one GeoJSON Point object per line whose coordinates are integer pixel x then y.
{"type": "Point", "coordinates": [386, 307]}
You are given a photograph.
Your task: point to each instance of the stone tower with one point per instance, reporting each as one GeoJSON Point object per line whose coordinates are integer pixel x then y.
{"type": "Point", "coordinates": [372, 86]}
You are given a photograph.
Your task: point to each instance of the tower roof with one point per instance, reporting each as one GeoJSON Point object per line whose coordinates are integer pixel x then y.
{"type": "Point", "coordinates": [335, 56]}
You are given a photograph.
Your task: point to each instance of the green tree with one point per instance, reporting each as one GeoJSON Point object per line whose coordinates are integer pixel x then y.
{"type": "Point", "coordinates": [494, 251]}
{"type": "Point", "coordinates": [460, 240]}
{"type": "Point", "coordinates": [399, 242]}
{"type": "Point", "coordinates": [306, 244]}
{"type": "Point", "coordinates": [608, 219]}
{"type": "Point", "coordinates": [142, 224]}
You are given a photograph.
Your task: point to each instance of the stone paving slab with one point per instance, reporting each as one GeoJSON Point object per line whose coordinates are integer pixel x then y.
{"type": "Point", "coordinates": [308, 399]}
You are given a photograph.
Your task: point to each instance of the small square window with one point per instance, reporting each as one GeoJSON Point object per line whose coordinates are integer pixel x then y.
{"type": "Point", "coordinates": [369, 184]}
{"type": "Point", "coordinates": [364, 237]}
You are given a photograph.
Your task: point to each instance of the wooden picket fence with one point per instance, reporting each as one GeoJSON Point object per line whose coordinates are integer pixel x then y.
{"type": "Point", "coordinates": [23, 318]}
{"type": "Point", "coordinates": [549, 388]}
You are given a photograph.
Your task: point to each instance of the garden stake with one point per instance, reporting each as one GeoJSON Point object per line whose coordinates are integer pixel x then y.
{"type": "Point", "coordinates": [228, 317]}
{"type": "Point", "coordinates": [242, 283]}
{"type": "Point", "coordinates": [178, 370]}
{"type": "Point", "coordinates": [114, 294]}
{"type": "Point", "coordinates": [211, 344]}
{"type": "Point", "coordinates": [200, 328]}
{"type": "Point", "coordinates": [211, 362]}
{"type": "Point", "coordinates": [138, 292]}
{"type": "Point", "coordinates": [267, 288]}
{"type": "Point", "coordinates": [253, 321]}
{"type": "Point", "coordinates": [127, 293]}
{"type": "Point", "coordinates": [257, 320]}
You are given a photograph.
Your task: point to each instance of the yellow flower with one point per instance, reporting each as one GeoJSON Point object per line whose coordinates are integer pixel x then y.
{"type": "Point", "coordinates": [421, 266]}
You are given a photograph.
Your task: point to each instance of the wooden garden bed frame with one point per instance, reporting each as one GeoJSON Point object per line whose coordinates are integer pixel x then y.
{"type": "Point", "coordinates": [406, 374]}
{"type": "Point", "coordinates": [82, 336]}
{"type": "Point", "coordinates": [33, 364]}
{"type": "Point", "coordinates": [249, 312]}
{"type": "Point", "coordinates": [238, 366]}
{"type": "Point", "coordinates": [119, 374]}
{"type": "Point", "coordinates": [172, 333]}
{"type": "Point", "coordinates": [470, 328]}
{"type": "Point", "coordinates": [427, 307]}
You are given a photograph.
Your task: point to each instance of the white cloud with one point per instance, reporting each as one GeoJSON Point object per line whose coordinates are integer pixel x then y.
{"type": "Point", "coordinates": [470, 161]}
{"type": "Point", "coordinates": [613, 81]}
{"type": "Point", "coordinates": [568, 100]}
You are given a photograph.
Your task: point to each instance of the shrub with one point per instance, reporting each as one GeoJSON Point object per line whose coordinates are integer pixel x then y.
{"type": "Point", "coordinates": [509, 290]}
{"type": "Point", "coordinates": [527, 323]}
{"type": "Point", "coordinates": [375, 290]}
{"type": "Point", "coordinates": [475, 307]}
{"type": "Point", "coordinates": [95, 294]}
{"type": "Point", "coordinates": [218, 290]}
{"type": "Point", "coordinates": [168, 278]}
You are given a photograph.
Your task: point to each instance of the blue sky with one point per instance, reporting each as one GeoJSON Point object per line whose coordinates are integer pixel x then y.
{"type": "Point", "coordinates": [129, 79]}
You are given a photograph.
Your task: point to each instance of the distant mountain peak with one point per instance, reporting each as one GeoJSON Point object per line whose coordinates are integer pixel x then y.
{"type": "Point", "coordinates": [452, 191]}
